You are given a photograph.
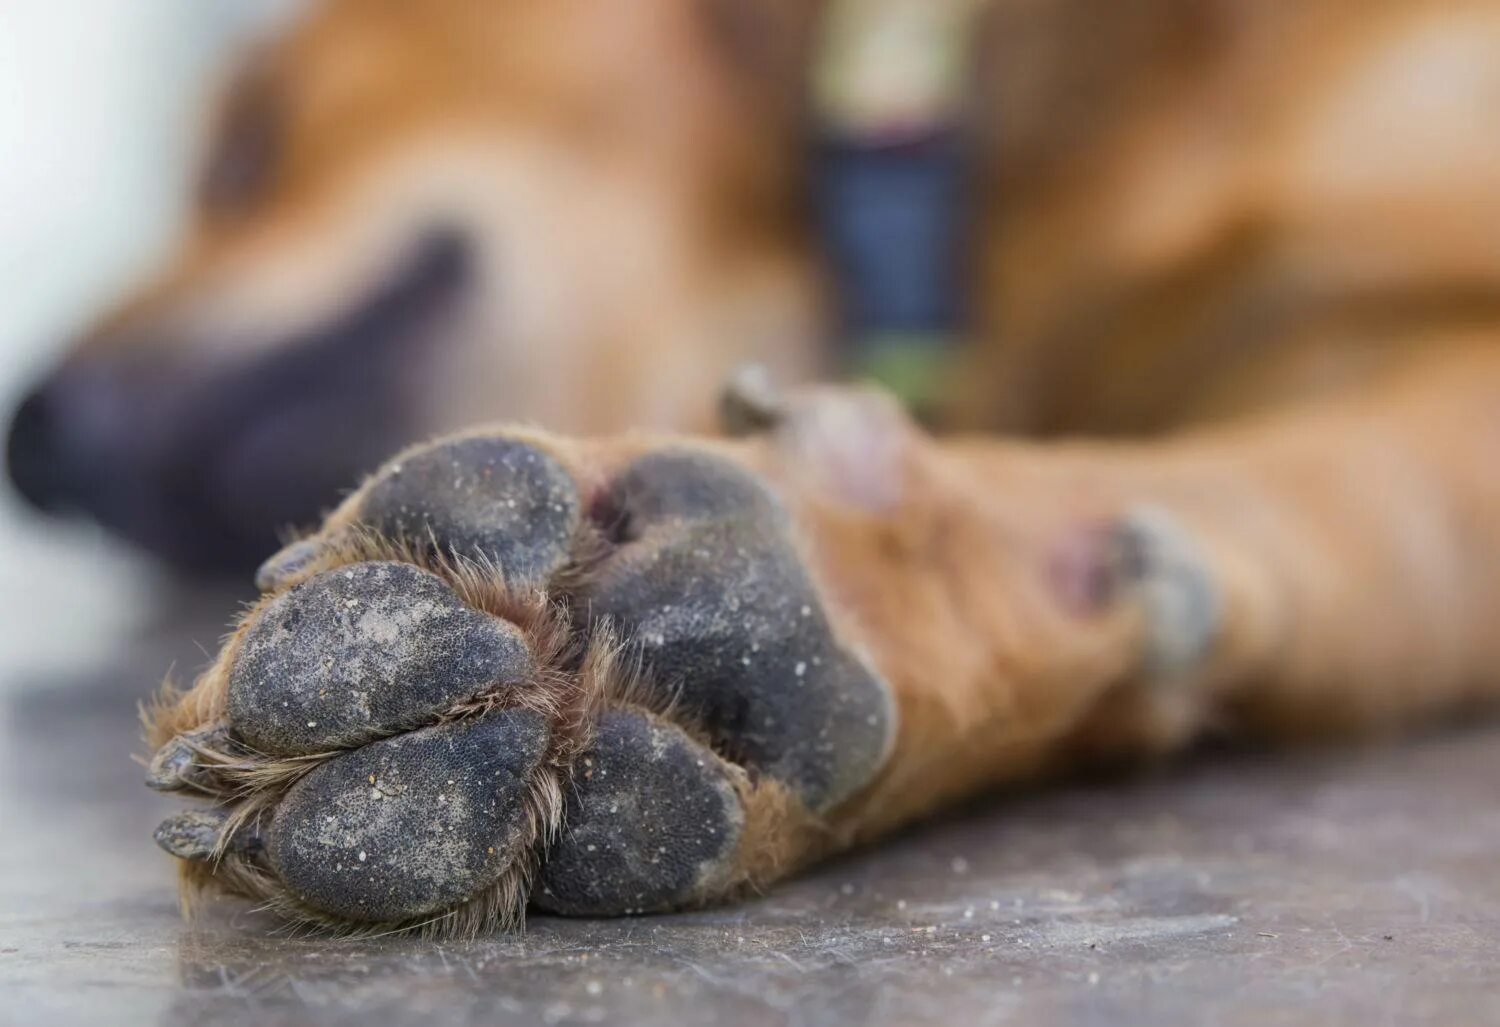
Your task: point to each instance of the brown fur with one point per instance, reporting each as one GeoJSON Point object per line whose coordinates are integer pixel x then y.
{"type": "Point", "coordinates": [1187, 210]}
{"type": "Point", "coordinates": [1352, 544]}
{"type": "Point", "coordinates": [1202, 209]}
{"type": "Point", "coordinates": [541, 129]}
{"type": "Point", "coordinates": [1244, 228]}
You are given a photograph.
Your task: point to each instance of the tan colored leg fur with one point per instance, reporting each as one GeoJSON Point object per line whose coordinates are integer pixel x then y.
{"type": "Point", "coordinates": [1341, 565]}
{"type": "Point", "coordinates": [1352, 550]}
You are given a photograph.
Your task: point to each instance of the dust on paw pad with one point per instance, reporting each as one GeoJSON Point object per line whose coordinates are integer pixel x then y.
{"type": "Point", "coordinates": [400, 737]}
{"type": "Point", "coordinates": [497, 500]}
{"type": "Point", "coordinates": [361, 652]}
{"type": "Point", "coordinates": [653, 821]}
{"type": "Point", "coordinates": [411, 825]}
{"type": "Point", "coordinates": [728, 622]}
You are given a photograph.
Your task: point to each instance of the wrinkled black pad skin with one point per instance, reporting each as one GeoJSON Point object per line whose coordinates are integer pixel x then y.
{"type": "Point", "coordinates": [411, 825]}
{"type": "Point", "coordinates": [710, 586]}
{"type": "Point", "coordinates": [364, 651]}
{"type": "Point", "coordinates": [493, 499]}
{"type": "Point", "coordinates": [651, 819]}
{"type": "Point", "coordinates": [701, 573]}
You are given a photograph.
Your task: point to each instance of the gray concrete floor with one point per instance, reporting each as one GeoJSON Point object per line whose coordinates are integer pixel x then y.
{"type": "Point", "coordinates": [1319, 888]}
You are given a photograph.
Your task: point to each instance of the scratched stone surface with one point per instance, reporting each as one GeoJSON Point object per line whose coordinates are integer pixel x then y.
{"type": "Point", "coordinates": [1331, 887]}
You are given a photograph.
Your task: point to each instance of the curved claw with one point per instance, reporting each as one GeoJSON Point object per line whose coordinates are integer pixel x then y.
{"type": "Point", "coordinates": [282, 566]}
{"type": "Point", "coordinates": [751, 402]}
{"type": "Point", "coordinates": [194, 835]}
{"type": "Point", "coordinates": [175, 766]}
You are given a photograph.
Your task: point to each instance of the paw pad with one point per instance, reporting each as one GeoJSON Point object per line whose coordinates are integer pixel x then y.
{"type": "Point", "coordinates": [423, 716]}
{"type": "Point", "coordinates": [361, 652]}
{"type": "Point", "coordinates": [496, 500]}
{"type": "Point", "coordinates": [656, 820]}
{"type": "Point", "coordinates": [410, 825]}
{"type": "Point", "coordinates": [731, 626]}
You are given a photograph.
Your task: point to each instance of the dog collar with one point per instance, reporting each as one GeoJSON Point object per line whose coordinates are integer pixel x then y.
{"type": "Point", "coordinates": [891, 185]}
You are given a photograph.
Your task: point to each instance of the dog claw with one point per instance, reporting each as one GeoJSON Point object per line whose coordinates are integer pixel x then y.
{"type": "Point", "coordinates": [194, 835]}
{"type": "Point", "coordinates": [175, 766]}
{"type": "Point", "coordinates": [287, 562]}
{"type": "Point", "coordinates": [1159, 560]}
{"type": "Point", "coordinates": [751, 402]}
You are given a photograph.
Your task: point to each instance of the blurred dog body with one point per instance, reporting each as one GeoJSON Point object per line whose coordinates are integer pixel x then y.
{"type": "Point", "coordinates": [418, 216]}
{"type": "Point", "coordinates": [1201, 210]}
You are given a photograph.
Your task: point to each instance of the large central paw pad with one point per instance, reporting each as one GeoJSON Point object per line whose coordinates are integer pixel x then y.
{"type": "Point", "coordinates": [424, 721]}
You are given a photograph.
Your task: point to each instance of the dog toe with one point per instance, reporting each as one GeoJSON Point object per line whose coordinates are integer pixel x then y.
{"type": "Point", "coordinates": [363, 651]}
{"type": "Point", "coordinates": [496, 499]}
{"type": "Point", "coordinates": [412, 825]}
{"type": "Point", "coordinates": [653, 822]}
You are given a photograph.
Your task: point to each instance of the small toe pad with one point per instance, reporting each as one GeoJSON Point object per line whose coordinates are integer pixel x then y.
{"type": "Point", "coordinates": [653, 821]}
{"type": "Point", "coordinates": [364, 651]}
{"type": "Point", "coordinates": [411, 825]}
{"type": "Point", "coordinates": [490, 498]}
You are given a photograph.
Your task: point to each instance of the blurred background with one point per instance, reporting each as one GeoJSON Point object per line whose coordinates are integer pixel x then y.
{"type": "Point", "coordinates": [101, 118]}
{"type": "Point", "coordinates": [243, 274]}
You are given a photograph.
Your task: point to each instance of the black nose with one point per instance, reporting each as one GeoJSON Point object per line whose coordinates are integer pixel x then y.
{"type": "Point", "coordinates": [31, 455]}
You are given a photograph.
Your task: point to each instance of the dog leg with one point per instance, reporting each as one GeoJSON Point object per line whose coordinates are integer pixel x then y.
{"type": "Point", "coordinates": [640, 673]}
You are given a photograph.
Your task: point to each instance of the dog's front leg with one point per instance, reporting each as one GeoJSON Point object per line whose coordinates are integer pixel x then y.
{"type": "Point", "coordinates": [1333, 569]}
{"type": "Point", "coordinates": [832, 627]}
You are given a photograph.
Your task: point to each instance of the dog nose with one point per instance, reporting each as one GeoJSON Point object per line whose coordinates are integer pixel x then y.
{"type": "Point", "coordinates": [67, 441]}
{"type": "Point", "coordinates": [444, 255]}
{"type": "Point", "coordinates": [31, 453]}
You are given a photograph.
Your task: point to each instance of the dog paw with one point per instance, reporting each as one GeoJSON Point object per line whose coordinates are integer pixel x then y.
{"type": "Point", "coordinates": [513, 668]}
